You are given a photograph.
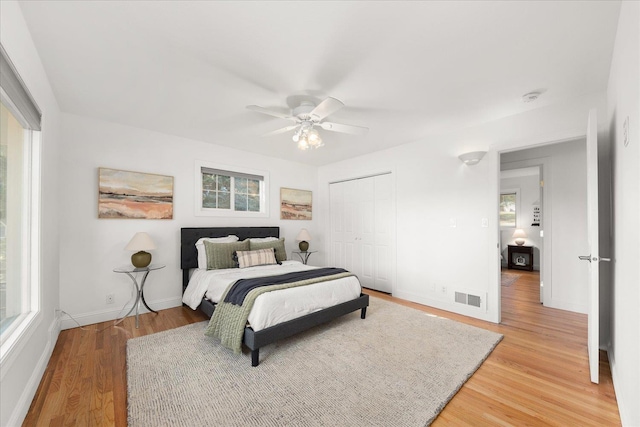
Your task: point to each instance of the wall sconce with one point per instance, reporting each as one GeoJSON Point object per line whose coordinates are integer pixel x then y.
{"type": "Point", "coordinates": [140, 243]}
{"type": "Point", "coordinates": [472, 158]}
{"type": "Point", "coordinates": [519, 235]}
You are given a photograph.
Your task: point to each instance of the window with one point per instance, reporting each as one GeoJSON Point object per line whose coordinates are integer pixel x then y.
{"type": "Point", "coordinates": [508, 208]}
{"type": "Point", "coordinates": [19, 206]}
{"type": "Point", "coordinates": [229, 191]}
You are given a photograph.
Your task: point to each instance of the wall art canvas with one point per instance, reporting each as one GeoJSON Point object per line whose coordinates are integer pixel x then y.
{"type": "Point", "coordinates": [295, 204]}
{"type": "Point", "coordinates": [134, 195]}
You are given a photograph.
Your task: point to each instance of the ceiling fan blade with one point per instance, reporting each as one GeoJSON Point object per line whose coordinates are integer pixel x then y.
{"type": "Point", "coordinates": [337, 127]}
{"type": "Point", "coordinates": [279, 131]}
{"type": "Point", "coordinates": [278, 114]}
{"type": "Point", "coordinates": [325, 108]}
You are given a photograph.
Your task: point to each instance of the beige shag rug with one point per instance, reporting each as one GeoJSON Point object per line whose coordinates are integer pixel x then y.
{"type": "Point", "coordinates": [398, 367]}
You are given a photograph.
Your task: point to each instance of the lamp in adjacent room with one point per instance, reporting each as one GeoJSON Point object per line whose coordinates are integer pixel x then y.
{"type": "Point", "coordinates": [303, 238]}
{"type": "Point", "coordinates": [519, 234]}
{"type": "Point", "coordinates": [472, 158]}
{"type": "Point", "coordinates": [140, 243]}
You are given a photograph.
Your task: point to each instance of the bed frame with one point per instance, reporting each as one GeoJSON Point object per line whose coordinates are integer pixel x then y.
{"type": "Point", "coordinates": [252, 339]}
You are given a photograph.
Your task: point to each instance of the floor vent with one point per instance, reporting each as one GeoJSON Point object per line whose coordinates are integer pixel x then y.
{"type": "Point", "coordinates": [468, 299]}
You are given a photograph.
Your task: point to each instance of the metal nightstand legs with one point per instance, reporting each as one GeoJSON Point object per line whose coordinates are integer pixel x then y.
{"type": "Point", "coordinates": [139, 297]}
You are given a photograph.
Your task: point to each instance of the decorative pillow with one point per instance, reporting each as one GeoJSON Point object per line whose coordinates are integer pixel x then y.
{"type": "Point", "coordinates": [202, 254]}
{"type": "Point", "coordinates": [258, 257]}
{"type": "Point", "coordinates": [278, 245]}
{"type": "Point", "coordinates": [262, 239]}
{"type": "Point", "coordinates": [220, 255]}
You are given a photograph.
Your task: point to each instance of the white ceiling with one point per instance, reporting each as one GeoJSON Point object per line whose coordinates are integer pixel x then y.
{"type": "Point", "coordinates": [407, 70]}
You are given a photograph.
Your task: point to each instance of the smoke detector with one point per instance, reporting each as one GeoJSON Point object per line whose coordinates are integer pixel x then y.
{"type": "Point", "coordinates": [530, 97]}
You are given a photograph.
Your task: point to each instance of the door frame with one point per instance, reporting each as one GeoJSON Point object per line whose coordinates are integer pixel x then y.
{"type": "Point", "coordinates": [544, 163]}
{"type": "Point", "coordinates": [548, 236]}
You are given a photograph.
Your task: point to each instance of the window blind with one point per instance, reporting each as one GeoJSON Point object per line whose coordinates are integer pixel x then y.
{"type": "Point", "coordinates": [19, 96]}
{"type": "Point", "coordinates": [212, 171]}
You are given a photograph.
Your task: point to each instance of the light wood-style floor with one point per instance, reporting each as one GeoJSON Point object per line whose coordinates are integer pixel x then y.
{"type": "Point", "coordinates": [537, 375]}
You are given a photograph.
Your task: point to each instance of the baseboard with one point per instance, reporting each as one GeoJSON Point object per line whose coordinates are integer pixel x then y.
{"type": "Point", "coordinates": [625, 416]}
{"type": "Point", "coordinates": [112, 314]}
{"type": "Point", "coordinates": [22, 407]}
{"type": "Point", "coordinates": [445, 305]}
{"type": "Point", "coordinates": [565, 305]}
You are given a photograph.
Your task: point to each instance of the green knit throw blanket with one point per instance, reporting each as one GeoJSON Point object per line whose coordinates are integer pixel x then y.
{"type": "Point", "coordinates": [229, 320]}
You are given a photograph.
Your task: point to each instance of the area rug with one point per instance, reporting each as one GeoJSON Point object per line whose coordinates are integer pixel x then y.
{"type": "Point", "coordinates": [508, 279]}
{"type": "Point", "coordinates": [399, 367]}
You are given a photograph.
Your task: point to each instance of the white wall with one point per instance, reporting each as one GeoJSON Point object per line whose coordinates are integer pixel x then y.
{"type": "Point", "coordinates": [90, 248]}
{"type": "Point", "coordinates": [624, 94]}
{"type": "Point", "coordinates": [432, 187]}
{"type": "Point", "coordinates": [566, 181]}
{"type": "Point", "coordinates": [22, 369]}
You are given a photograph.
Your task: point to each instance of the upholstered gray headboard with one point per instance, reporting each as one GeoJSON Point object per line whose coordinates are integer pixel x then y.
{"type": "Point", "coordinates": [189, 237]}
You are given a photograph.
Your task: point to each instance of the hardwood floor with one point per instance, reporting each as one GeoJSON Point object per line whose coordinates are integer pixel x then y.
{"type": "Point", "coordinates": [537, 375]}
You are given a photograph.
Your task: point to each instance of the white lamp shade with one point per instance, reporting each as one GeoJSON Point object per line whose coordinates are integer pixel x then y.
{"type": "Point", "coordinates": [140, 242]}
{"type": "Point", "coordinates": [303, 236]}
{"type": "Point", "coordinates": [519, 234]}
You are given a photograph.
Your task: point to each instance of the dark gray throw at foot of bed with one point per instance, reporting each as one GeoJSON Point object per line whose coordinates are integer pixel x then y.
{"type": "Point", "coordinates": [239, 290]}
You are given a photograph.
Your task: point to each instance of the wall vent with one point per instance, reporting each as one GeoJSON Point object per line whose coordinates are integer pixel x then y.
{"type": "Point", "coordinates": [469, 299]}
{"type": "Point", "coordinates": [474, 300]}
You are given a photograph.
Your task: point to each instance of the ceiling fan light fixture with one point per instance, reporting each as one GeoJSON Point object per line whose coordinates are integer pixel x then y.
{"type": "Point", "coordinates": [307, 116]}
{"type": "Point", "coordinates": [313, 137]}
{"type": "Point", "coordinates": [303, 144]}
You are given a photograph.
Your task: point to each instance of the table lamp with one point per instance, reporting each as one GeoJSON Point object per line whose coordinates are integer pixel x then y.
{"type": "Point", "coordinates": [303, 238]}
{"type": "Point", "coordinates": [519, 234]}
{"type": "Point", "coordinates": [140, 243]}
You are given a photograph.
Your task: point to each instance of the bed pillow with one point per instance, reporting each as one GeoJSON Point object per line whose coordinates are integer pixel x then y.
{"type": "Point", "coordinates": [278, 245]}
{"type": "Point", "coordinates": [220, 255]}
{"type": "Point", "coordinates": [262, 239]}
{"type": "Point", "coordinates": [202, 253]}
{"type": "Point", "coordinates": [258, 257]}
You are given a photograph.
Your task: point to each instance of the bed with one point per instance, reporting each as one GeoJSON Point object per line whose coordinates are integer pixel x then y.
{"type": "Point", "coordinates": [255, 339]}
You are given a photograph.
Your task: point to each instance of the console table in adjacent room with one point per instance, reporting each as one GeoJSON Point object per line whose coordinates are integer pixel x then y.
{"type": "Point", "coordinates": [520, 257]}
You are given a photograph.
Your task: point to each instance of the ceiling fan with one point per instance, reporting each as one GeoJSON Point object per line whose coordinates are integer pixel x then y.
{"type": "Point", "coordinates": [307, 117]}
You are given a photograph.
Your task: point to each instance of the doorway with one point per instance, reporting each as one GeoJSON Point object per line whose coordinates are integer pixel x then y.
{"type": "Point", "coordinates": [521, 227]}
{"type": "Point", "coordinates": [563, 220]}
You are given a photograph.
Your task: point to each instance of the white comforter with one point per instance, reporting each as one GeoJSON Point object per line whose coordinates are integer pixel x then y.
{"type": "Point", "coordinates": [275, 307]}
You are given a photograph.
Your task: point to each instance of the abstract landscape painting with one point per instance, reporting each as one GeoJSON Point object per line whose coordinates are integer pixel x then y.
{"type": "Point", "coordinates": [134, 195]}
{"type": "Point", "coordinates": [295, 204]}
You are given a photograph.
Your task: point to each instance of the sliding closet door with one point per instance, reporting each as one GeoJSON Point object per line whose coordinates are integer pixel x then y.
{"type": "Point", "coordinates": [361, 229]}
{"type": "Point", "coordinates": [383, 240]}
{"type": "Point", "coordinates": [343, 221]}
{"type": "Point", "coordinates": [365, 232]}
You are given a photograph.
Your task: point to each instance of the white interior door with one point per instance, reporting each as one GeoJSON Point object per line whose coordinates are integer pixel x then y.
{"type": "Point", "coordinates": [337, 251]}
{"type": "Point", "coordinates": [383, 233]}
{"type": "Point", "coordinates": [593, 258]}
{"type": "Point", "coordinates": [365, 240]}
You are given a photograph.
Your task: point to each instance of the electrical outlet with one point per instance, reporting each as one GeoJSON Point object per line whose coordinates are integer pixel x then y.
{"type": "Point", "coordinates": [111, 298]}
{"type": "Point", "coordinates": [452, 222]}
{"type": "Point", "coordinates": [485, 222]}
{"type": "Point", "coordinates": [444, 289]}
